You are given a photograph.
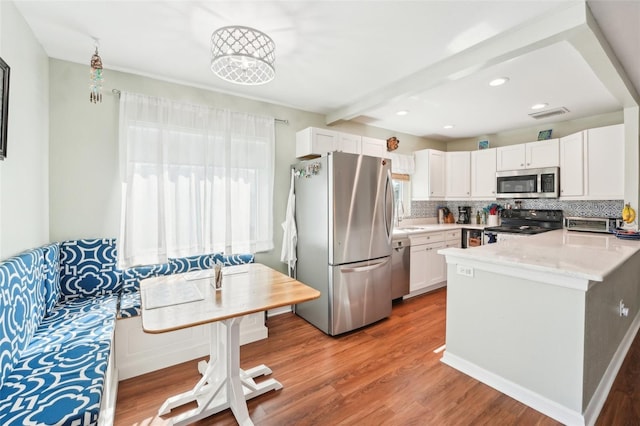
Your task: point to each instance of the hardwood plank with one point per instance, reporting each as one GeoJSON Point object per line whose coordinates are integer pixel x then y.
{"type": "Point", "coordinates": [386, 373]}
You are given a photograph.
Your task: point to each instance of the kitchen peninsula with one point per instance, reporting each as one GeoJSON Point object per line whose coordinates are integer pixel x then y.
{"type": "Point", "coordinates": [545, 319]}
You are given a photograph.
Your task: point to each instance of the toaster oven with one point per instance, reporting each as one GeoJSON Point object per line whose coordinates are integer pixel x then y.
{"type": "Point", "coordinates": [592, 224]}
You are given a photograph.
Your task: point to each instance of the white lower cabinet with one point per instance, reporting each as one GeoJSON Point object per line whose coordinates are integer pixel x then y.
{"type": "Point", "coordinates": [428, 268]}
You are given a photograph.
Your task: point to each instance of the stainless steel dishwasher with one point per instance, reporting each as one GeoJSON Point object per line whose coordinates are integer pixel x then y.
{"type": "Point", "coordinates": [400, 263]}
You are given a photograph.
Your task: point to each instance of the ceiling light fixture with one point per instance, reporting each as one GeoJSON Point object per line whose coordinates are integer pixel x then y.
{"type": "Point", "coordinates": [498, 81]}
{"type": "Point", "coordinates": [403, 112]}
{"type": "Point", "coordinates": [539, 106]}
{"type": "Point", "coordinates": [448, 126]}
{"type": "Point", "coordinates": [243, 55]}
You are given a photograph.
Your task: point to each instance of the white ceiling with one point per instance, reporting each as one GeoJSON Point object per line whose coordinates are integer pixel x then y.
{"type": "Point", "coordinates": [366, 60]}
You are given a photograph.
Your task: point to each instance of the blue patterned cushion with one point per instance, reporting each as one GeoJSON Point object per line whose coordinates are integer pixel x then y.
{"type": "Point", "coordinates": [62, 387]}
{"type": "Point", "coordinates": [193, 263]}
{"type": "Point", "coordinates": [51, 275]}
{"type": "Point", "coordinates": [130, 305]}
{"type": "Point", "coordinates": [21, 305]}
{"type": "Point", "coordinates": [81, 320]}
{"type": "Point", "coordinates": [131, 277]}
{"type": "Point", "coordinates": [89, 268]}
{"type": "Point", "coordinates": [238, 259]}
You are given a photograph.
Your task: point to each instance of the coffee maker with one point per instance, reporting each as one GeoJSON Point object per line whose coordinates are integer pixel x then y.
{"type": "Point", "coordinates": [464, 214]}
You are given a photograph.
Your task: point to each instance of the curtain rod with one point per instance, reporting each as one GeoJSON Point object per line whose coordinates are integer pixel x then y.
{"type": "Point", "coordinates": [278, 120]}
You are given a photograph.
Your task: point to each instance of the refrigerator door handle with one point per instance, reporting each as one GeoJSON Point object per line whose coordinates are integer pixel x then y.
{"type": "Point", "coordinates": [364, 268]}
{"type": "Point", "coordinates": [388, 212]}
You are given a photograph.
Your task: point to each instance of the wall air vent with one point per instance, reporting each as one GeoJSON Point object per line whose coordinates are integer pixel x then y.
{"type": "Point", "coordinates": [548, 113]}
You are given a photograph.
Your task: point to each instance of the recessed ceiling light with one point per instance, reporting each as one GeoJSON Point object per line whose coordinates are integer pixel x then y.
{"type": "Point", "coordinates": [539, 106]}
{"type": "Point", "coordinates": [498, 81]}
{"type": "Point", "coordinates": [449, 126]}
{"type": "Point", "coordinates": [403, 112]}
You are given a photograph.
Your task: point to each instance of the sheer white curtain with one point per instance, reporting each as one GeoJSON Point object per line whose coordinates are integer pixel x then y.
{"type": "Point", "coordinates": [195, 180]}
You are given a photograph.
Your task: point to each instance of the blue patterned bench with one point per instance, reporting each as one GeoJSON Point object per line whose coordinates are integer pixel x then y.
{"type": "Point", "coordinates": [130, 298]}
{"type": "Point", "coordinates": [58, 309]}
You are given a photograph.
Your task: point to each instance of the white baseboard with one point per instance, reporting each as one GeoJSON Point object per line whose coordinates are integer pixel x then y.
{"type": "Point", "coordinates": [138, 352]}
{"type": "Point", "coordinates": [544, 405]}
{"type": "Point", "coordinates": [426, 289]}
{"type": "Point", "coordinates": [279, 311]}
{"type": "Point", "coordinates": [537, 402]}
{"type": "Point", "coordinates": [110, 391]}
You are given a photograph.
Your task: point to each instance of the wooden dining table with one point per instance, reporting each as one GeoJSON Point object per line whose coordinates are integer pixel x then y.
{"type": "Point", "coordinates": [175, 302]}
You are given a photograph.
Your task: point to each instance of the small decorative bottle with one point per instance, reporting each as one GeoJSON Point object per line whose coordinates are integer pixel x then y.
{"type": "Point", "coordinates": [477, 217]}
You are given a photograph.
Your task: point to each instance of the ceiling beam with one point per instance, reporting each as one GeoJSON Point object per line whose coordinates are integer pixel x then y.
{"type": "Point", "coordinates": [558, 25]}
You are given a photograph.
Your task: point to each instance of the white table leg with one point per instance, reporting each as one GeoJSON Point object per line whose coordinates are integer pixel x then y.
{"type": "Point", "coordinates": [223, 384]}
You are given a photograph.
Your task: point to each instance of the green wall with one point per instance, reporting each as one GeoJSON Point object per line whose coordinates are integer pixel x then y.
{"type": "Point", "coordinates": [24, 174]}
{"type": "Point", "coordinates": [84, 168]}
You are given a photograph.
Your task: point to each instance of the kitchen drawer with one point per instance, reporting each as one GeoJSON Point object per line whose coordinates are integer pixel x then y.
{"type": "Point", "coordinates": [436, 245]}
{"type": "Point", "coordinates": [455, 244]}
{"type": "Point", "coordinates": [454, 234]}
{"type": "Point", "coordinates": [427, 238]}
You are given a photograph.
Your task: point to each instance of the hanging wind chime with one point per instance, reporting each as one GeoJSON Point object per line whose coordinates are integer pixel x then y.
{"type": "Point", "coordinates": [96, 78]}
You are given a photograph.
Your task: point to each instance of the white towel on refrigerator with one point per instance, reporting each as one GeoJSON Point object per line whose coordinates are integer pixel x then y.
{"type": "Point", "coordinates": [290, 235]}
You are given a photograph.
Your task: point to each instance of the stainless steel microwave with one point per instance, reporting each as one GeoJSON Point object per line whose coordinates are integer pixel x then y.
{"type": "Point", "coordinates": [528, 183]}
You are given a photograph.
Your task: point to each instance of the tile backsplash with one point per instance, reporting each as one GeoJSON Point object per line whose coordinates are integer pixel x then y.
{"type": "Point", "coordinates": [604, 208]}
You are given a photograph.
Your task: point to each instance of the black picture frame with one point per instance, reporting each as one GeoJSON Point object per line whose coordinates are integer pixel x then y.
{"type": "Point", "coordinates": [544, 135]}
{"type": "Point", "coordinates": [4, 107]}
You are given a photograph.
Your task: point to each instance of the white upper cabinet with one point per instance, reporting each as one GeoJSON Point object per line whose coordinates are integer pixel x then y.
{"type": "Point", "coordinates": [349, 143]}
{"type": "Point", "coordinates": [374, 147]}
{"type": "Point", "coordinates": [458, 177]}
{"type": "Point", "coordinates": [314, 142]}
{"type": "Point", "coordinates": [428, 180]}
{"type": "Point", "coordinates": [510, 157]}
{"type": "Point", "coordinates": [604, 149]}
{"type": "Point", "coordinates": [572, 166]}
{"type": "Point", "coordinates": [592, 164]}
{"type": "Point", "coordinates": [483, 173]}
{"type": "Point", "coordinates": [529, 155]}
{"type": "Point", "coordinates": [542, 154]}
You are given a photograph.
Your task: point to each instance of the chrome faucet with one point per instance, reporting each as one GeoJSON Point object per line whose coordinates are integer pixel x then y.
{"type": "Point", "coordinates": [399, 213]}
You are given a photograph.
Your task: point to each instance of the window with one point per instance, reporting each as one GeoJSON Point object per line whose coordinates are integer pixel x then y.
{"type": "Point", "coordinates": [402, 197]}
{"type": "Point", "coordinates": [195, 180]}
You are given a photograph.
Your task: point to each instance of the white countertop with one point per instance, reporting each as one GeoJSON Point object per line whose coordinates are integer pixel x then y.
{"type": "Point", "coordinates": [433, 227]}
{"type": "Point", "coordinates": [590, 256]}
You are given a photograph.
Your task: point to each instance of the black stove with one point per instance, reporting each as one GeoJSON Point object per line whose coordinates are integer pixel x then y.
{"type": "Point", "coordinates": [527, 222]}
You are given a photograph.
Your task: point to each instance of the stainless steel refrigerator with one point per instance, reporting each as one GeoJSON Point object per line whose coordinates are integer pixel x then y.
{"type": "Point", "coordinates": [344, 208]}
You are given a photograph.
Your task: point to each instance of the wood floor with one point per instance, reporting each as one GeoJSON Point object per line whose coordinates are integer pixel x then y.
{"type": "Point", "coordinates": [385, 374]}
